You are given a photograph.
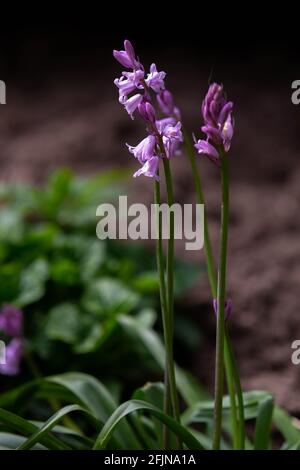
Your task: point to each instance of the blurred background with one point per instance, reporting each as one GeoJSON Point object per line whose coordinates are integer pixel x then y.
{"type": "Point", "coordinates": [62, 111]}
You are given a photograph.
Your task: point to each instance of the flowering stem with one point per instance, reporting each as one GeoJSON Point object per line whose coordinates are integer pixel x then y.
{"type": "Point", "coordinates": [221, 295]}
{"type": "Point", "coordinates": [232, 375]}
{"type": "Point", "coordinates": [231, 390]}
{"type": "Point", "coordinates": [200, 196]}
{"type": "Point", "coordinates": [170, 293]}
{"type": "Point", "coordinates": [239, 392]}
{"type": "Point", "coordinates": [163, 304]}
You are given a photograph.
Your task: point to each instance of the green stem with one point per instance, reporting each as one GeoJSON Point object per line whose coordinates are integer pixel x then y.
{"type": "Point", "coordinates": [163, 304]}
{"type": "Point", "coordinates": [170, 293]}
{"type": "Point", "coordinates": [232, 380]}
{"type": "Point", "coordinates": [167, 410]}
{"type": "Point", "coordinates": [239, 393]}
{"type": "Point", "coordinates": [231, 391]}
{"type": "Point", "coordinates": [221, 295]}
{"type": "Point", "coordinates": [200, 197]}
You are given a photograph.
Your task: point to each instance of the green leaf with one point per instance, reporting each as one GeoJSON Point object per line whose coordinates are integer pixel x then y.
{"type": "Point", "coordinates": [284, 422]}
{"type": "Point", "coordinates": [107, 296]}
{"type": "Point", "coordinates": [188, 386]}
{"type": "Point", "coordinates": [63, 323]}
{"type": "Point", "coordinates": [152, 393]}
{"type": "Point", "coordinates": [21, 425]}
{"type": "Point", "coordinates": [92, 394]}
{"type": "Point", "coordinates": [40, 433]}
{"type": "Point", "coordinates": [64, 271]}
{"type": "Point", "coordinates": [92, 260]}
{"type": "Point", "coordinates": [136, 405]}
{"type": "Point", "coordinates": [82, 388]}
{"type": "Point", "coordinates": [263, 424]}
{"type": "Point", "coordinates": [146, 283]}
{"type": "Point", "coordinates": [203, 411]}
{"type": "Point", "coordinates": [32, 283]}
{"type": "Point", "coordinates": [9, 441]}
{"type": "Point", "coordinates": [11, 225]}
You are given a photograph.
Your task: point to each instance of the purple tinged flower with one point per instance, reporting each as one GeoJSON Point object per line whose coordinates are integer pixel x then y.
{"type": "Point", "coordinates": [147, 112]}
{"type": "Point", "coordinates": [129, 82]}
{"type": "Point", "coordinates": [166, 104]}
{"type": "Point", "coordinates": [225, 113]}
{"type": "Point", "coordinates": [215, 135]}
{"type": "Point", "coordinates": [11, 321]}
{"type": "Point", "coordinates": [144, 150]}
{"type": "Point", "coordinates": [173, 132]}
{"type": "Point", "coordinates": [149, 168]}
{"type": "Point", "coordinates": [132, 103]}
{"type": "Point", "coordinates": [161, 124]}
{"type": "Point", "coordinates": [13, 356]}
{"type": "Point", "coordinates": [217, 115]}
{"type": "Point", "coordinates": [205, 148]}
{"type": "Point", "coordinates": [213, 103]}
{"type": "Point", "coordinates": [227, 133]}
{"type": "Point", "coordinates": [125, 87]}
{"type": "Point", "coordinates": [155, 79]}
{"type": "Point", "coordinates": [228, 308]}
{"type": "Point", "coordinates": [127, 58]}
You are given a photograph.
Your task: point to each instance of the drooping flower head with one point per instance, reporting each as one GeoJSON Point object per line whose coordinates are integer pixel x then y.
{"type": "Point", "coordinates": [218, 124]}
{"type": "Point", "coordinates": [135, 94]}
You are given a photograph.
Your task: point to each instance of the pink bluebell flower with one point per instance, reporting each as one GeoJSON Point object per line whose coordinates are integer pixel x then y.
{"type": "Point", "coordinates": [149, 168]}
{"type": "Point", "coordinates": [219, 126]}
{"type": "Point", "coordinates": [127, 57]}
{"type": "Point", "coordinates": [13, 357]}
{"type": "Point", "coordinates": [144, 150]}
{"type": "Point", "coordinates": [129, 82]}
{"type": "Point", "coordinates": [166, 104]}
{"type": "Point", "coordinates": [11, 321]}
{"type": "Point", "coordinates": [147, 112]}
{"type": "Point", "coordinates": [131, 104]}
{"type": "Point", "coordinates": [155, 79]}
{"type": "Point", "coordinates": [135, 93]}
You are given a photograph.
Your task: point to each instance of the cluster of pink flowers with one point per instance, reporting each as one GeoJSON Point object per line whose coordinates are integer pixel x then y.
{"type": "Point", "coordinates": [135, 94]}
{"type": "Point", "coordinates": [219, 125]}
{"type": "Point", "coordinates": [11, 325]}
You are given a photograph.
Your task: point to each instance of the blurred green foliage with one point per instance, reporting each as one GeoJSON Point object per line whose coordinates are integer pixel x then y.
{"type": "Point", "coordinates": [73, 287]}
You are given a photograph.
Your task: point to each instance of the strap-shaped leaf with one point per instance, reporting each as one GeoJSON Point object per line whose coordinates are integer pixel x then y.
{"type": "Point", "coordinates": [263, 424]}
{"type": "Point", "coordinates": [135, 405]}
{"type": "Point", "coordinates": [23, 426]}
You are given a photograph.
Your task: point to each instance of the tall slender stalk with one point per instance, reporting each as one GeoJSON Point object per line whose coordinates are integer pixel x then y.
{"type": "Point", "coordinates": [163, 304]}
{"type": "Point", "coordinates": [170, 382]}
{"type": "Point", "coordinates": [239, 393]}
{"type": "Point", "coordinates": [232, 375]}
{"type": "Point", "coordinates": [221, 295]}
{"type": "Point", "coordinates": [170, 293]}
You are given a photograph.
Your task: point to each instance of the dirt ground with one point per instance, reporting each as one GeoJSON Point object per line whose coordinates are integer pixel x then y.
{"type": "Point", "coordinates": [74, 119]}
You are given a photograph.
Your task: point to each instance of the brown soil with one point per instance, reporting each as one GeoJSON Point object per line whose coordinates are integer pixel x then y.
{"type": "Point", "coordinates": [78, 122]}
